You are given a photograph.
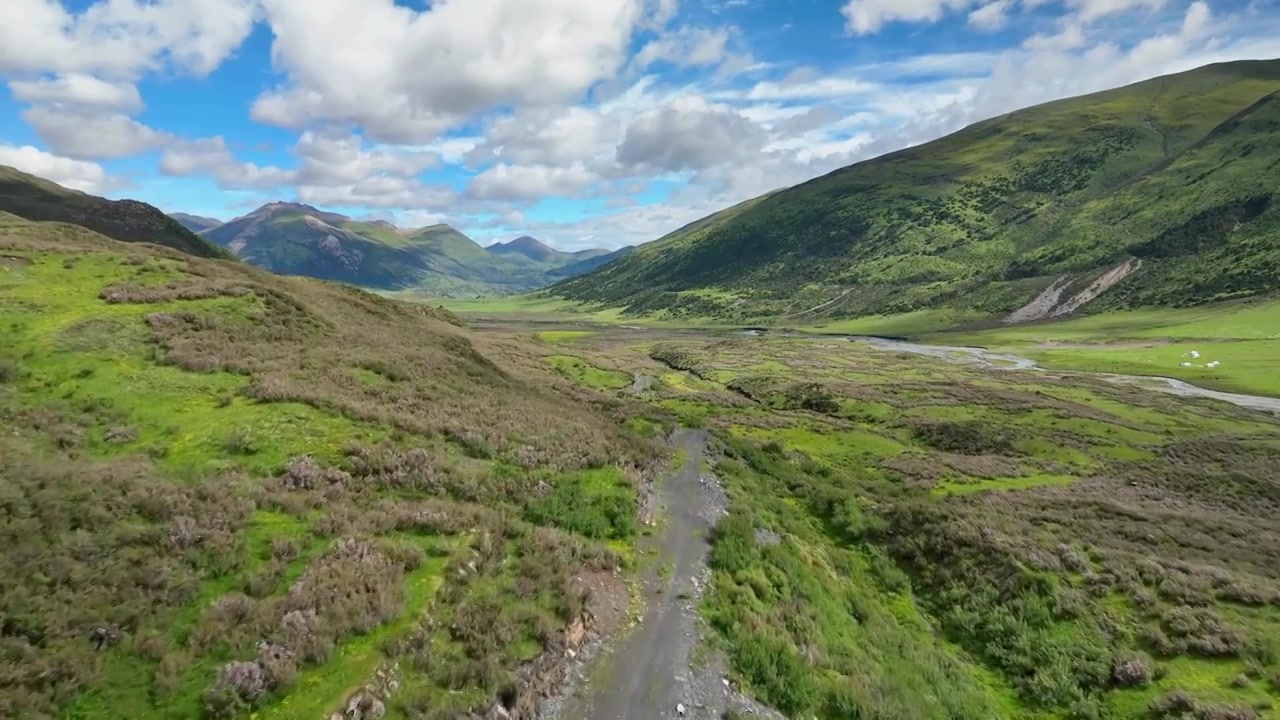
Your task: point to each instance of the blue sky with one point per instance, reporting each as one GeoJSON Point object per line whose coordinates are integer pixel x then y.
{"type": "Point", "coordinates": [583, 122]}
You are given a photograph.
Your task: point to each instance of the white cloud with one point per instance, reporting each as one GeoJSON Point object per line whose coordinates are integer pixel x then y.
{"type": "Point", "coordinates": [689, 134]}
{"type": "Point", "coordinates": [528, 182]}
{"type": "Point", "coordinates": [362, 61]}
{"type": "Point", "coordinates": [338, 160]}
{"type": "Point", "coordinates": [991, 16]}
{"type": "Point", "coordinates": [212, 157]}
{"type": "Point", "coordinates": [76, 174]}
{"type": "Point", "coordinates": [91, 135]}
{"type": "Point", "coordinates": [79, 90]}
{"type": "Point", "coordinates": [868, 16]}
{"type": "Point", "coordinates": [685, 47]}
{"type": "Point", "coordinates": [121, 38]}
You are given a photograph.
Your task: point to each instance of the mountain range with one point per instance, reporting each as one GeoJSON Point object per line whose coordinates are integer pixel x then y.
{"type": "Point", "coordinates": [1158, 193]}
{"type": "Point", "coordinates": [297, 239]}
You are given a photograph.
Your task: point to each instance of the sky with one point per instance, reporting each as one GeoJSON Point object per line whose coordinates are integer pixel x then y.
{"type": "Point", "coordinates": [586, 123]}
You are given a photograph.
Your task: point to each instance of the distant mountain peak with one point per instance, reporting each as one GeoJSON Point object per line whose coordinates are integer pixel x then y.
{"type": "Point", "coordinates": [525, 245]}
{"type": "Point", "coordinates": [280, 207]}
{"type": "Point", "coordinates": [195, 223]}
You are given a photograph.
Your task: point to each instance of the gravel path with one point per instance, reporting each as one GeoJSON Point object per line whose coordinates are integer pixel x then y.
{"type": "Point", "coordinates": [650, 673]}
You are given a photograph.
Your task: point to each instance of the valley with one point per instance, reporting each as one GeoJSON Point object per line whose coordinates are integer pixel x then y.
{"type": "Point", "coordinates": [986, 428]}
{"type": "Point", "coordinates": [873, 494]}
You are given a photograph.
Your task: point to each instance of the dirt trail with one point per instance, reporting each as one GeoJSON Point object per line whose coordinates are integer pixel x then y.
{"type": "Point", "coordinates": [650, 672]}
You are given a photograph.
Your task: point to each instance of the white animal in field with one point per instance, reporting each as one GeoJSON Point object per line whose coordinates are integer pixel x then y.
{"type": "Point", "coordinates": [1213, 364]}
{"type": "Point", "coordinates": [1194, 354]}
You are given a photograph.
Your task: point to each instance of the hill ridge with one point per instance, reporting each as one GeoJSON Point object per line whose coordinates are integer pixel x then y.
{"type": "Point", "coordinates": [40, 200]}
{"type": "Point", "coordinates": [982, 221]}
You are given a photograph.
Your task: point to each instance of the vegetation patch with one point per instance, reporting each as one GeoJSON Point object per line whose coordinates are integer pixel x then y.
{"type": "Point", "coordinates": [584, 373]}
{"type": "Point", "coordinates": [231, 495]}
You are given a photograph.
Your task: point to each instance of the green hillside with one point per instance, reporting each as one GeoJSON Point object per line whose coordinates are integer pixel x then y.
{"type": "Point", "coordinates": [35, 198]}
{"type": "Point", "coordinates": [228, 494]}
{"type": "Point", "coordinates": [1168, 185]}
{"type": "Point", "coordinates": [294, 239]}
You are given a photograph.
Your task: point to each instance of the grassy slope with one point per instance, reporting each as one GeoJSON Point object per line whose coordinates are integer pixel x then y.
{"type": "Point", "coordinates": [1176, 171]}
{"type": "Point", "coordinates": [34, 198]}
{"type": "Point", "coordinates": [156, 408]}
{"type": "Point", "coordinates": [912, 539]}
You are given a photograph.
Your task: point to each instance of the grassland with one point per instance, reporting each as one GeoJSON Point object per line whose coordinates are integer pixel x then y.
{"type": "Point", "coordinates": [1243, 336]}
{"type": "Point", "coordinates": [225, 494]}
{"type": "Point", "coordinates": [1174, 173]}
{"type": "Point", "coordinates": [914, 539]}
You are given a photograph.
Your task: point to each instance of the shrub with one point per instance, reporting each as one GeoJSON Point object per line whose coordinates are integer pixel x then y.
{"type": "Point", "coordinates": [1131, 671]}
{"type": "Point", "coordinates": [240, 442]}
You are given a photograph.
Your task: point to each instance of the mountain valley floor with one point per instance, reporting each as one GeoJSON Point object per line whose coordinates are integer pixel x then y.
{"type": "Point", "coordinates": [228, 494]}
{"type": "Point", "coordinates": [908, 537]}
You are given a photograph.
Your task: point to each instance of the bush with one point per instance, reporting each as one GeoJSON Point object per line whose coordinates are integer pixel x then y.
{"type": "Point", "coordinates": [1131, 671]}
{"type": "Point", "coordinates": [240, 442]}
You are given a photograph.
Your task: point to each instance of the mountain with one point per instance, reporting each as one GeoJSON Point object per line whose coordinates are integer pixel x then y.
{"type": "Point", "coordinates": [527, 247]}
{"type": "Point", "coordinates": [296, 239]}
{"type": "Point", "coordinates": [1160, 192]}
{"type": "Point", "coordinates": [37, 199]}
{"type": "Point", "coordinates": [589, 260]}
{"type": "Point", "coordinates": [195, 223]}
{"type": "Point", "coordinates": [198, 454]}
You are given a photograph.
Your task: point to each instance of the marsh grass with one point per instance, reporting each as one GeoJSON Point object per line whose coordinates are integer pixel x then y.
{"type": "Point", "coordinates": [968, 543]}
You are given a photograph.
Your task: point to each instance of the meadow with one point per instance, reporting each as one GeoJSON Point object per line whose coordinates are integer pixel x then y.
{"type": "Point", "coordinates": [914, 539]}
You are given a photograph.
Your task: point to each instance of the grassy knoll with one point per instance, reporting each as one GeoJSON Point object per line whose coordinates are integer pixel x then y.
{"type": "Point", "coordinates": [914, 539]}
{"type": "Point", "coordinates": [225, 494]}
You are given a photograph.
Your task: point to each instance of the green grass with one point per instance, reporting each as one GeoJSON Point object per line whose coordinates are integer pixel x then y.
{"type": "Point", "coordinates": [584, 373]}
{"type": "Point", "coordinates": [1247, 367]}
{"type": "Point", "coordinates": [84, 354]}
{"type": "Point", "coordinates": [322, 690]}
{"type": "Point", "coordinates": [951, 541]}
{"type": "Point", "coordinates": [563, 336]}
{"type": "Point", "coordinates": [1243, 337]}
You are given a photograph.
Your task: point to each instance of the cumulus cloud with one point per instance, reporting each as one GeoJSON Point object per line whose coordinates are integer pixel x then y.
{"type": "Point", "coordinates": [90, 134]}
{"type": "Point", "coordinates": [529, 182]}
{"type": "Point", "coordinates": [75, 174]}
{"type": "Point", "coordinates": [80, 90]}
{"type": "Point", "coordinates": [121, 38]}
{"type": "Point", "coordinates": [362, 61]}
{"type": "Point", "coordinates": [212, 157]}
{"type": "Point", "coordinates": [689, 134]}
